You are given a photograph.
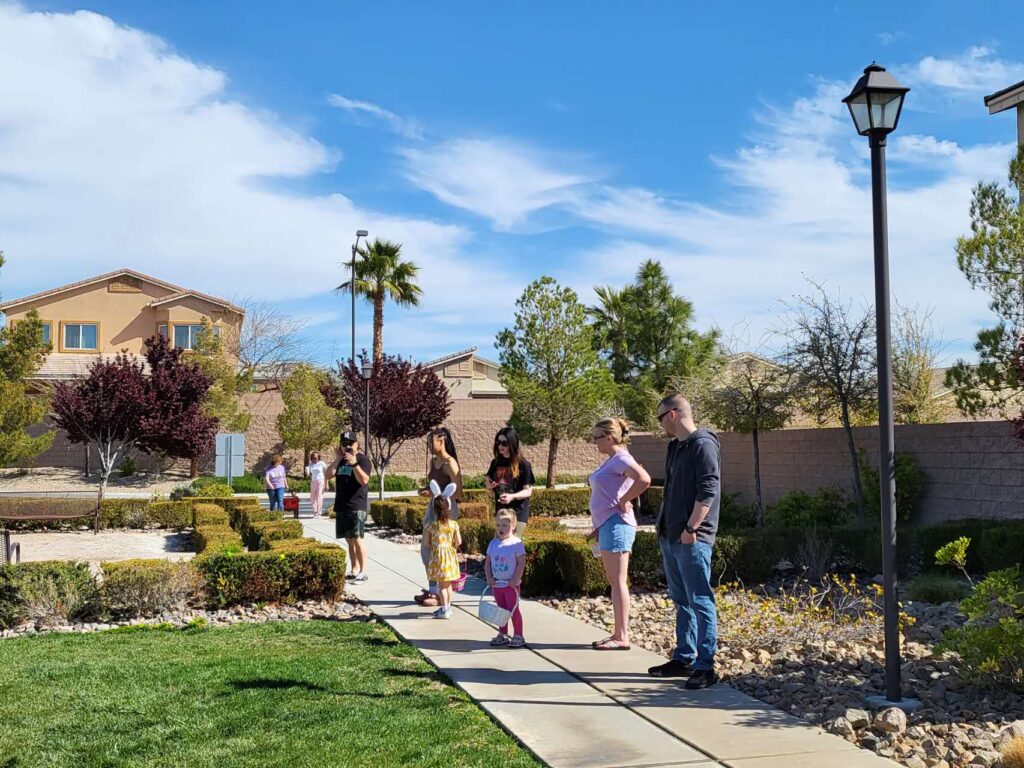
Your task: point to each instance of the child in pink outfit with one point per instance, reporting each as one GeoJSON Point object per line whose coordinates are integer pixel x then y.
{"type": "Point", "coordinates": [504, 567]}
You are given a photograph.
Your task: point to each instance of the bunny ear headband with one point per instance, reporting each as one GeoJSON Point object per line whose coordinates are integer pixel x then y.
{"type": "Point", "coordinates": [435, 489]}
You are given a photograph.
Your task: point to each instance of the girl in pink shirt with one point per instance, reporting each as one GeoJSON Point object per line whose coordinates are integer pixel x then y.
{"type": "Point", "coordinates": [504, 567]}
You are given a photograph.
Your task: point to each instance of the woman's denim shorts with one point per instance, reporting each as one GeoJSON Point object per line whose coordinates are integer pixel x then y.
{"type": "Point", "coordinates": [616, 535]}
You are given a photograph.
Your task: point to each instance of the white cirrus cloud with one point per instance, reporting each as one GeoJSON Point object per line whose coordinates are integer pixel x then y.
{"type": "Point", "coordinates": [502, 180]}
{"type": "Point", "coordinates": [410, 129]}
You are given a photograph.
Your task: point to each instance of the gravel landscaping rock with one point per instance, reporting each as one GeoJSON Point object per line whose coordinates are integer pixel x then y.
{"type": "Point", "coordinates": [826, 681]}
{"type": "Point", "coordinates": [348, 608]}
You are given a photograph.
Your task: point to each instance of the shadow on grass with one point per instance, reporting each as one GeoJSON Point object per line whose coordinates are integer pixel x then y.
{"type": "Point", "coordinates": [276, 684]}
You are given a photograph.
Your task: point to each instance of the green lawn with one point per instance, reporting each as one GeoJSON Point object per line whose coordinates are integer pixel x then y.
{"type": "Point", "coordinates": [284, 694]}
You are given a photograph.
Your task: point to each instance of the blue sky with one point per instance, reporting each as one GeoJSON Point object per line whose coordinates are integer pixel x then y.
{"type": "Point", "coordinates": [235, 147]}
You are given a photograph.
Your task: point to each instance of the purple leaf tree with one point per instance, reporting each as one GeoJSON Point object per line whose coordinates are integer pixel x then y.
{"type": "Point", "coordinates": [406, 402]}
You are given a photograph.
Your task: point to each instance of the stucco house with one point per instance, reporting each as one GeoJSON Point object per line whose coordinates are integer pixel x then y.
{"type": "Point", "coordinates": [468, 375]}
{"type": "Point", "coordinates": [116, 312]}
{"type": "Point", "coordinates": [110, 313]}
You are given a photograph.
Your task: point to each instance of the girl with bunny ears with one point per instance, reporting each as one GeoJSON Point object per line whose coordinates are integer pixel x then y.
{"type": "Point", "coordinates": [442, 537]}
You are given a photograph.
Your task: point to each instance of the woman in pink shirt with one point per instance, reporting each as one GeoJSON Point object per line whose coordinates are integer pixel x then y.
{"type": "Point", "coordinates": [613, 487]}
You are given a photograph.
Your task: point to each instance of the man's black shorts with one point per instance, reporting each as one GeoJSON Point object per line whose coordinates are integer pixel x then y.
{"type": "Point", "coordinates": [349, 523]}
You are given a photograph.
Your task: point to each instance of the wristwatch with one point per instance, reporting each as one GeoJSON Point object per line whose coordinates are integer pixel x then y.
{"type": "Point", "coordinates": [690, 529]}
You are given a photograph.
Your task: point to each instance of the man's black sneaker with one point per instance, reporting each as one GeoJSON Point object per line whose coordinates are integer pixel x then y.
{"type": "Point", "coordinates": [702, 678]}
{"type": "Point", "coordinates": [672, 668]}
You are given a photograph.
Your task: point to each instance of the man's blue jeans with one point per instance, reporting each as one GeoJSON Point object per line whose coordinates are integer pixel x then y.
{"type": "Point", "coordinates": [688, 571]}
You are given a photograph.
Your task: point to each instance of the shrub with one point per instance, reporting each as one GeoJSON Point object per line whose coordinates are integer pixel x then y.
{"type": "Point", "coordinates": [213, 489]}
{"type": "Point", "coordinates": [391, 513]}
{"type": "Point", "coordinates": [953, 554]}
{"type": "Point", "coordinates": [209, 515]}
{"type": "Point", "coordinates": [538, 524]}
{"type": "Point", "coordinates": [559, 562]}
{"type": "Point", "coordinates": [124, 513]}
{"type": "Point", "coordinates": [128, 467]}
{"type": "Point", "coordinates": [734, 514]}
{"type": "Point", "coordinates": [474, 510]}
{"type": "Point", "coordinates": [1001, 546]}
{"type": "Point", "coordinates": [214, 538]}
{"type": "Point", "coordinates": [262, 533]}
{"type": "Point", "coordinates": [646, 568]}
{"type": "Point", "coordinates": [245, 518]}
{"type": "Point", "coordinates": [481, 496]}
{"type": "Point", "coordinates": [247, 484]}
{"type": "Point", "coordinates": [283, 575]}
{"type": "Point", "coordinates": [395, 483]}
{"type": "Point", "coordinates": [46, 593]}
{"type": "Point", "coordinates": [742, 558]}
{"type": "Point", "coordinates": [169, 514]}
{"type": "Point", "coordinates": [1012, 752]}
{"type": "Point", "coordinates": [476, 535]}
{"type": "Point", "coordinates": [560, 502]}
{"type": "Point", "coordinates": [910, 480]}
{"type": "Point", "coordinates": [991, 644]}
{"type": "Point", "coordinates": [290, 545]}
{"type": "Point", "coordinates": [132, 588]}
{"type": "Point", "coordinates": [650, 501]}
{"type": "Point", "coordinates": [927, 540]}
{"type": "Point", "coordinates": [931, 588]}
{"type": "Point", "coordinates": [827, 508]}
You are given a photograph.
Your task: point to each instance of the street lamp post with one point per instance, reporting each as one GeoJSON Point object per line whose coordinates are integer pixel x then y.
{"type": "Point", "coordinates": [367, 373]}
{"type": "Point", "coordinates": [352, 285]}
{"type": "Point", "coordinates": [875, 104]}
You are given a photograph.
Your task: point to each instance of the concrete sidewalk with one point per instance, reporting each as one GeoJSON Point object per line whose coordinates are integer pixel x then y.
{"type": "Point", "coordinates": [575, 707]}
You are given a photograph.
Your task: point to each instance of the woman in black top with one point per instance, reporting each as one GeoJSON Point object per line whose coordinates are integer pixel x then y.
{"type": "Point", "coordinates": [510, 476]}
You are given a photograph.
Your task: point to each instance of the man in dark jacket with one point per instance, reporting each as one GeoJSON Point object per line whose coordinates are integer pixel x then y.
{"type": "Point", "coordinates": [687, 524]}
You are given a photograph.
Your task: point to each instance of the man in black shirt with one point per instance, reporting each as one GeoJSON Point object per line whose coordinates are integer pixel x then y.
{"type": "Point", "coordinates": [351, 469]}
{"type": "Point", "coordinates": [687, 524]}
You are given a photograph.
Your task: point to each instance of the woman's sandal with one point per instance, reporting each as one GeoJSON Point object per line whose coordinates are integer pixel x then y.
{"type": "Point", "coordinates": [601, 642]}
{"type": "Point", "coordinates": [610, 645]}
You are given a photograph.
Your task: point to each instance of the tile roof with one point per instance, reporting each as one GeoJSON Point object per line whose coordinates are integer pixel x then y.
{"type": "Point", "coordinates": [174, 289]}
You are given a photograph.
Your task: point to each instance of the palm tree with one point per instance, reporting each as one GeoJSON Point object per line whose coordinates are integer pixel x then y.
{"type": "Point", "coordinates": [381, 274]}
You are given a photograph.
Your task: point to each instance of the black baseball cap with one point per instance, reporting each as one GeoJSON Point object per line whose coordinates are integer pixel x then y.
{"type": "Point", "coordinates": [347, 438]}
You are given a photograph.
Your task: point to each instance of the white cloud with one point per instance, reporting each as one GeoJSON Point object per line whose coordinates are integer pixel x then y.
{"type": "Point", "coordinates": [117, 151]}
{"type": "Point", "coordinates": [501, 180]}
{"type": "Point", "coordinates": [406, 127]}
{"type": "Point", "coordinates": [976, 71]}
{"type": "Point", "coordinates": [888, 38]}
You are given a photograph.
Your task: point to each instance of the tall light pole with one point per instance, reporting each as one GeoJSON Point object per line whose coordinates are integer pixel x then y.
{"type": "Point", "coordinates": [875, 104]}
{"type": "Point", "coordinates": [367, 373]}
{"type": "Point", "coordinates": [355, 249]}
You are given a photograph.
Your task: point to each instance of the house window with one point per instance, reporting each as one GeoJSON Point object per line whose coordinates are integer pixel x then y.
{"type": "Point", "coordinates": [81, 336]}
{"type": "Point", "coordinates": [161, 330]}
{"type": "Point", "coordinates": [186, 336]}
{"type": "Point", "coordinates": [45, 333]}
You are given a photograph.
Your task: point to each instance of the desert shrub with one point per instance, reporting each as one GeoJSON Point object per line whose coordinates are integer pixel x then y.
{"type": "Point", "coordinates": [128, 467]}
{"type": "Point", "coordinates": [991, 643]}
{"type": "Point", "coordinates": [132, 588]}
{"type": "Point", "coordinates": [262, 533]}
{"type": "Point", "coordinates": [1012, 752]}
{"type": "Point", "coordinates": [560, 502]}
{"type": "Point", "coordinates": [953, 554]}
{"type": "Point", "coordinates": [910, 480]}
{"type": "Point", "coordinates": [280, 575]}
{"type": "Point", "coordinates": [209, 515]}
{"type": "Point", "coordinates": [47, 593]}
{"type": "Point", "coordinates": [216, 538]}
{"type": "Point", "coordinates": [826, 508]}
{"type": "Point", "coordinates": [933, 588]}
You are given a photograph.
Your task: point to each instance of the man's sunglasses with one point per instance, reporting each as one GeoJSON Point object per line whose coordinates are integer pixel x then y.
{"type": "Point", "coordinates": [665, 413]}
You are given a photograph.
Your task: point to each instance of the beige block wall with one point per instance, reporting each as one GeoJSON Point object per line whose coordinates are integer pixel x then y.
{"type": "Point", "coordinates": [972, 469]}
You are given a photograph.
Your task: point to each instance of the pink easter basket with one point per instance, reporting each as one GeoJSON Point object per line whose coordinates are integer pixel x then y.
{"type": "Point", "coordinates": [460, 583]}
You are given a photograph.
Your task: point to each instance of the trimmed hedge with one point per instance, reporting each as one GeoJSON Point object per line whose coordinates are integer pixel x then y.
{"type": "Point", "coordinates": [209, 515]}
{"type": "Point", "coordinates": [233, 505]}
{"type": "Point", "coordinates": [562, 563]}
{"type": "Point", "coordinates": [262, 533]}
{"type": "Point", "coordinates": [478, 496]}
{"type": "Point", "coordinates": [284, 575]}
{"type": "Point", "coordinates": [246, 518]}
{"type": "Point", "coordinates": [560, 502]}
{"type": "Point", "coordinates": [474, 510]}
{"type": "Point", "coordinates": [114, 513]}
{"type": "Point", "coordinates": [287, 545]}
{"type": "Point", "coordinates": [216, 538]}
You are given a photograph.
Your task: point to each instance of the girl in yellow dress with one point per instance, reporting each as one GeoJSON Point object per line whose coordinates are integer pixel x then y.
{"type": "Point", "coordinates": [442, 536]}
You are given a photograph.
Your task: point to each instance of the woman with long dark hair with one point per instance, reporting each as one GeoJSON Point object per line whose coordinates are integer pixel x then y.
{"type": "Point", "coordinates": [510, 477]}
{"type": "Point", "coordinates": [443, 469]}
